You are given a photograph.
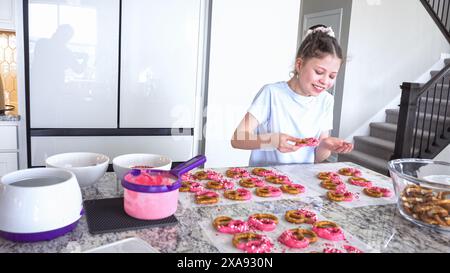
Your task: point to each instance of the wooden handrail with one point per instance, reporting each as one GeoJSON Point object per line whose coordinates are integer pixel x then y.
{"type": "Point", "coordinates": [440, 22]}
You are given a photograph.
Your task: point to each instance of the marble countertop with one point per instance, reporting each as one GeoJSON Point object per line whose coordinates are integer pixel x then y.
{"type": "Point", "coordinates": [9, 118]}
{"type": "Point", "coordinates": [381, 227]}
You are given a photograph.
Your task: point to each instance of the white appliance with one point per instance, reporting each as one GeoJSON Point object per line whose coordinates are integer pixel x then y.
{"type": "Point", "coordinates": [39, 204]}
{"type": "Point", "coordinates": [114, 77]}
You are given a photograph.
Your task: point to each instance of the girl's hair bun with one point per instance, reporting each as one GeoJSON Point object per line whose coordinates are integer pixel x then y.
{"type": "Point", "coordinates": [320, 29]}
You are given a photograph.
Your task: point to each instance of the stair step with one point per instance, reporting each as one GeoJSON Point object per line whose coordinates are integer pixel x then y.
{"type": "Point", "coordinates": [371, 162]}
{"type": "Point", "coordinates": [388, 131]}
{"type": "Point", "coordinates": [392, 117]}
{"type": "Point", "coordinates": [383, 130]}
{"type": "Point", "coordinates": [435, 72]}
{"type": "Point", "coordinates": [446, 61]}
{"type": "Point", "coordinates": [374, 146]}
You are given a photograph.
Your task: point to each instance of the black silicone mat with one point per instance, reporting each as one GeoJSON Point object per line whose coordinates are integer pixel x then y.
{"type": "Point", "coordinates": [108, 215]}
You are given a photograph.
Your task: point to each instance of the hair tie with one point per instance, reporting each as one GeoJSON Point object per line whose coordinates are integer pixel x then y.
{"type": "Point", "coordinates": [327, 30]}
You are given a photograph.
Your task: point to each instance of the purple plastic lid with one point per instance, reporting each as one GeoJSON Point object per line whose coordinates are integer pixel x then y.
{"type": "Point", "coordinates": [130, 185]}
{"type": "Point", "coordinates": [172, 175]}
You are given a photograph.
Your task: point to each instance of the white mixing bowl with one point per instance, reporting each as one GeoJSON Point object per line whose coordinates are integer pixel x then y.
{"type": "Point", "coordinates": [125, 163]}
{"type": "Point", "coordinates": [39, 204]}
{"type": "Point", "coordinates": [88, 167]}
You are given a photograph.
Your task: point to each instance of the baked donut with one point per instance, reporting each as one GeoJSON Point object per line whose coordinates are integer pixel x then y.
{"type": "Point", "coordinates": [292, 188]}
{"type": "Point", "coordinates": [226, 224]}
{"type": "Point", "coordinates": [332, 185]}
{"type": "Point", "coordinates": [238, 195]}
{"type": "Point", "coordinates": [278, 179]}
{"type": "Point", "coordinates": [297, 238]}
{"type": "Point", "coordinates": [268, 191]}
{"type": "Point", "coordinates": [359, 181]}
{"type": "Point", "coordinates": [300, 216]}
{"type": "Point", "coordinates": [187, 176]}
{"type": "Point", "coordinates": [237, 173]}
{"type": "Point", "coordinates": [185, 186]}
{"type": "Point", "coordinates": [307, 142]}
{"type": "Point", "coordinates": [191, 186]}
{"type": "Point", "coordinates": [206, 197]}
{"type": "Point", "coordinates": [262, 172]}
{"type": "Point", "coordinates": [377, 192]}
{"type": "Point", "coordinates": [263, 221]}
{"type": "Point", "coordinates": [340, 195]}
{"type": "Point", "coordinates": [219, 185]}
{"type": "Point", "coordinates": [200, 175]}
{"type": "Point", "coordinates": [251, 242]}
{"type": "Point", "coordinates": [329, 176]}
{"type": "Point", "coordinates": [328, 230]}
{"type": "Point", "coordinates": [251, 182]}
{"type": "Point", "coordinates": [350, 172]}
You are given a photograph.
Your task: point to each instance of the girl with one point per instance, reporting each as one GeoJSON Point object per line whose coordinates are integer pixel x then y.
{"type": "Point", "coordinates": [284, 113]}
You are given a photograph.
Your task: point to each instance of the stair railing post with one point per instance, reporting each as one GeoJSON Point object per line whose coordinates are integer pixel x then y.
{"type": "Point", "coordinates": [406, 120]}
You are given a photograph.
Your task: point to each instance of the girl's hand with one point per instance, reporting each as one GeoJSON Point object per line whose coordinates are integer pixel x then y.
{"type": "Point", "coordinates": [336, 145]}
{"type": "Point", "coordinates": [284, 143]}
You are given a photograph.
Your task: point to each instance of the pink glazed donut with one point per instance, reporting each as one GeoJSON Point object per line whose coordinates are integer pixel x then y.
{"type": "Point", "coordinates": [263, 221]}
{"type": "Point", "coordinates": [196, 187]}
{"type": "Point", "coordinates": [377, 192]}
{"type": "Point", "coordinates": [239, 194]}
{"type": "Point", "coordinates": [252, 242]}
{"type": "Point", "coordinates": [350, 172]}
{"type": "Point", "coordinates": [307, 142]}
{"type": "Point", "coordinates": [295, 238]}
{"type": "Point", "coordinates": [359, 181]}
{"type": "Point", "coordinates": [237, 173]}
{"type": "Point", "coordinates": [226, 224]}
{"type": "Point", "coordinates": [328, 230]}
{"type": "Point", "coordinates": [268, 191]}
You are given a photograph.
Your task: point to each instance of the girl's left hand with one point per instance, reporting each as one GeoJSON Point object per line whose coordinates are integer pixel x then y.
{"type": "Point", "coordinates": [336, 145]}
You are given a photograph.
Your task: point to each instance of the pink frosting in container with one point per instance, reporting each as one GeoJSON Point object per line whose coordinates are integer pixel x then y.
{"type": "Point", "coordinates": [150, 197]}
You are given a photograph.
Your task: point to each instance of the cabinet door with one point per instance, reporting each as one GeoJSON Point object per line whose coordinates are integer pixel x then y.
{"type": "Point", "coordinates": [7, 15]}
{"type": "Point", "coordinates": [253, 42]}
{"type": "Point", "coordinates": [73, 47]}
{"type": "Point", "coordinates": [178, 148]}
{"type": "Point", "coordinates": [159, 63]}
{"type": "Point", "coordinates": [8, 139]}
{"type": "Point", "coordinates": [8, 163]}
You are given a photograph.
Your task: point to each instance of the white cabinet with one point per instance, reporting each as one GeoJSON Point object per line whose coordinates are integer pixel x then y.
{"type": "Point", "coordinates": [7, 15]}
{"type": "Point", "coordinates": [178, 148]}
{"type": "Point", "coordinates": [73, 49]}
{"type": "Point", "coordinates": [8, 149]}
{"type": "Point", "coordinates": [160, 63]}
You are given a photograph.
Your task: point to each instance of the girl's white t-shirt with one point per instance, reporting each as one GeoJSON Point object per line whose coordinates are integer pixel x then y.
{"type": "Point", "coordinates": [279, 109]}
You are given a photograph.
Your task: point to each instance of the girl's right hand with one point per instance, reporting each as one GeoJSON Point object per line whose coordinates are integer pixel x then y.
{"type": "Point", "coordinates": [284, 143]}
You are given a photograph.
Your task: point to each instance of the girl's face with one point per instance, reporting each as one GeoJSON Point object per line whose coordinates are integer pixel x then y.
{"type": "Point", "coordinates": [316, 75]}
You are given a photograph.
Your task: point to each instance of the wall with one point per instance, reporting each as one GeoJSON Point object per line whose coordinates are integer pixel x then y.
{"type": "Point", "coordinates": [314, 6]}
{"type": "Point", "coordinates": [253, 43]}
{"type": "Point", "coordinates": [444, 155]}
{"type": "Point", "coordinates": [390, 42]}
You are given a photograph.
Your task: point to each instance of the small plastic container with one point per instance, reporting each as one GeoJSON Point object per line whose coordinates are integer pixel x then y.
{"type": "Point", "coordinates": [153, 194]}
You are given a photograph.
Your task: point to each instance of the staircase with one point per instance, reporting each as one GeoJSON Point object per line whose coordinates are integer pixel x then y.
{"type": "Point", "coordinates": [420, 128]}
{"type": "Point", "coordinates": [375, 150]}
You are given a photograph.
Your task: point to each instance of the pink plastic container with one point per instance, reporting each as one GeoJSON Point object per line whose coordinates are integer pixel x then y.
{"type": "Point", "coordinates": [153, 194]}
{"type": "Point", "coordinates": [148, 202]}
